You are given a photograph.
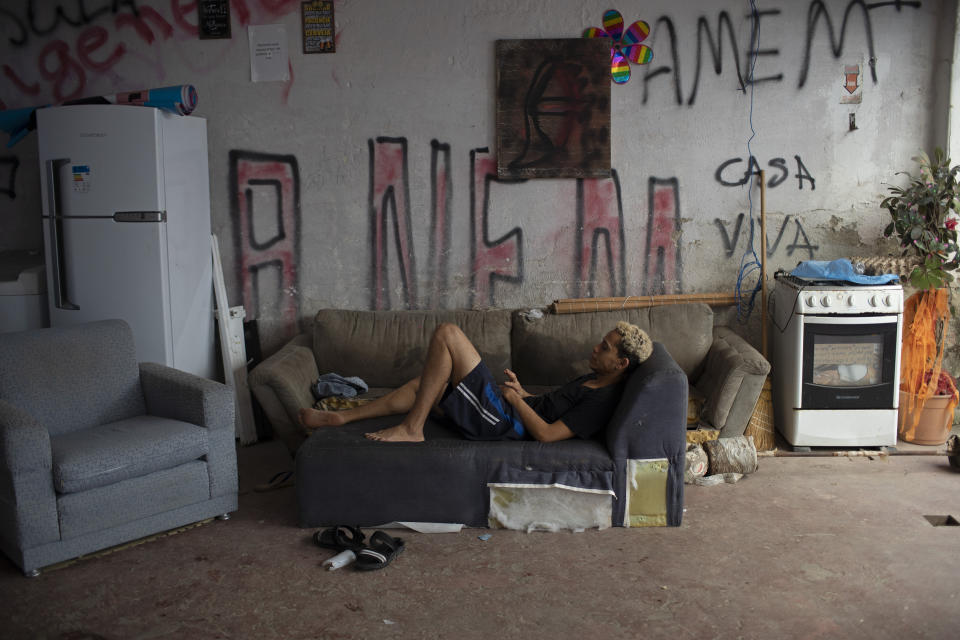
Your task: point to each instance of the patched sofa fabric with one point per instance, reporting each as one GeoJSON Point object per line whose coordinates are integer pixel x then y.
{"type": "Point", "coordinates": [342, 477]}
{"type": "Point", "coordinates": [97, 449]}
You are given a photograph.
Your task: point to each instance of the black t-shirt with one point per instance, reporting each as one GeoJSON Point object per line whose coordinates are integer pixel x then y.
{"type": "Point", "coordinates": [583, 409]}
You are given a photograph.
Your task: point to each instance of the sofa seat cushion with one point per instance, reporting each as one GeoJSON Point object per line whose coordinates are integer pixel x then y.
{"type": "Point", "coordinates": [343, 477]}
{"type": "Point", "coordinates": [109, 453]}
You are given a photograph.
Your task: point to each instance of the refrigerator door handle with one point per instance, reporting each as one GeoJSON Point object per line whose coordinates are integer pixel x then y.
{"type": "Point", "coordinates": [58, 277]}
{"type": "Point", "coordinates": [140, 216]}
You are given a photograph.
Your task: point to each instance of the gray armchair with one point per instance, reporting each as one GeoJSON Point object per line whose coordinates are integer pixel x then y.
{"type": "Point", "coordinates": [97, 450]}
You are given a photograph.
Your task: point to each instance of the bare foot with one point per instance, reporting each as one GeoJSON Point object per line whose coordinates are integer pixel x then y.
{"type": "Point", "coordinates": [399, 433]}
{"type": "Point", "coordinates": [317, 418]}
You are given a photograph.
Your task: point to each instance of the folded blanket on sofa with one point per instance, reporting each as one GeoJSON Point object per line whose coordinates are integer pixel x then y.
{"type": "Point", "coordinates": [332, 384]}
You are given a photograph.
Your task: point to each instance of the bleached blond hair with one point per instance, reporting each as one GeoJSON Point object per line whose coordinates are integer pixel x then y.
{"type": "Point", "coordinates": [635, 344]}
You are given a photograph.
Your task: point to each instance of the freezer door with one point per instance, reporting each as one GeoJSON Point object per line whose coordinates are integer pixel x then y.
{"type": "Point", "coordinates": [108, 159]}
{"type": "Point", "coordinates": [115, 269]}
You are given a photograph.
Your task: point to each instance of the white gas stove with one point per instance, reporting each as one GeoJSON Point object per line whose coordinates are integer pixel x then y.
{"type": "Point", "coordinates": [836, 361]}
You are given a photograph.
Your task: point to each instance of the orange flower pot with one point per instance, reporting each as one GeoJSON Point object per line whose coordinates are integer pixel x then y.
{"type": "Point", "coordinates": [935, 421]}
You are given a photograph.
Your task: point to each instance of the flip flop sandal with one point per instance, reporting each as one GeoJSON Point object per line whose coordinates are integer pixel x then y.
{"type": "Point", "coordinates": [340, 538]}
{"type": "Point", "coordinates": [381, 552]}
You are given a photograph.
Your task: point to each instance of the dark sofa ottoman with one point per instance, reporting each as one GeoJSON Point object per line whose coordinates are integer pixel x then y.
{"type": "Point", "coordinates": [343, 478]}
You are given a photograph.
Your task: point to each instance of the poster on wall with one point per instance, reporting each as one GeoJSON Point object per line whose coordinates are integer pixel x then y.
{"type": "Point", "coordinates": [213, 19]}
{"type": "Point", "coordinates": [852, 92]}
{"type": "Point", "coordinates": [553, 108]}
{"type": "Point", "coordinates": [268, 53]}
{"type": "Point", "coordinates": [318, 27]}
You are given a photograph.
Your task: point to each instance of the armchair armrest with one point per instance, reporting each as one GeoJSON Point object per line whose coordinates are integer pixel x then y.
{"type": "Point", "coordinates": [731, 380]}
{"type": "Point", "coordinates": [651, 423]}
{"type": "Point", "coordinates": [28, 504]}
{"type": "Point", "coordinates": [281, 384]}
{"type": "Point", "coordinates": [178, 395]}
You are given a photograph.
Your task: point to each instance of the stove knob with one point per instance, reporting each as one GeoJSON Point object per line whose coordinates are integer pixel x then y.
{"type": "Point", "coordinates": [826, 301]}
{"type": "Point", "coordinates": [852, 301]}
{"type": "Point", "coordinates": [888, 301]}
{"type": "Point", "coordinates": [874, 300]}
{"type": "Point", "coordinates": [812, 301]}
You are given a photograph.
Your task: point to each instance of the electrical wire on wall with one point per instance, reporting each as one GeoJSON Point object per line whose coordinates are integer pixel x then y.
{"type": "Point", "coordinates": [750, 262]}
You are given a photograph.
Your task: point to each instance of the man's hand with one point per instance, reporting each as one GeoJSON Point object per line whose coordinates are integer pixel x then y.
{"type": "Point", "coordinates": [512, 384]}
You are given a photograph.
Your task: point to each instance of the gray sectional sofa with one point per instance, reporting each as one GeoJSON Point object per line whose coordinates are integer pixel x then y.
{"type": "Point", "coordinates": [637, 462]}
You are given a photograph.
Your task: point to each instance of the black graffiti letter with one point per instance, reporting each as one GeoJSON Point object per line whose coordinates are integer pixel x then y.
{"type": "Point", "coordinates": [771, 248]}
{"type": "Point", "coordinates": [803, 174]}
{"type": "Point", "coordinates": [730, 245]}
{"type": "Point", "coordinates": [778, 163]}
{"type": "Point", "coordinates": [719, 174]}
{"type": "Point", "coordinates": [753, 53]}
{"type": "Point", "coordinates": [814, 12]}
{"type": "Point", "coordinates": [811, 248]}
{"type": "Point", "coordinates": [716, 50]}
{"type": "Point", "coordinates": [649, 73]}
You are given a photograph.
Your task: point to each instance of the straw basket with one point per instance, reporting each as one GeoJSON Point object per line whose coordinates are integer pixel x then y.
{"type": "Point", "coordinates": [761, 422]}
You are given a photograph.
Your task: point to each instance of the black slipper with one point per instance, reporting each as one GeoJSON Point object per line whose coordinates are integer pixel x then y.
{"type": "Point", "coordinates": [381, 552]}
{"type": "Point", "coordinates": [340, 538]}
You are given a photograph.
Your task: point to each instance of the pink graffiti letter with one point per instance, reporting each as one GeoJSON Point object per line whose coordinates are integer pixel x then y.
{"type": "Point", "coordinates": [440, 197]}
{"type": "Point", "coordinates": [279, 177]}
{"type": "Point", "coordinates": [390, 197]}
{"type": "Point", "coordinates": [491, 260]}
{"type": "Point", "coordinates": [662, 268]}
{"type": "Point", "coordinates": [600, 235]}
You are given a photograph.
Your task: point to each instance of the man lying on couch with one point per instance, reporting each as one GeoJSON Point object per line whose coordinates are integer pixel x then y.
{"type": "Point", "coordinates": [456, 380]}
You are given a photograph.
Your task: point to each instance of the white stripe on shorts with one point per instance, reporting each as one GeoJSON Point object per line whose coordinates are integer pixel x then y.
{"type": "Point", "coordinates": [472, 399]}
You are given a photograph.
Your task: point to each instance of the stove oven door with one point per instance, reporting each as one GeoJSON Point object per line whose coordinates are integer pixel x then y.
{"type": "Point", "coordinates": [850, 362]}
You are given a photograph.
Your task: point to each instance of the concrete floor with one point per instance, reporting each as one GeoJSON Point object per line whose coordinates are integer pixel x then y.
{"type": "Point", "coordinates": [804, 548]}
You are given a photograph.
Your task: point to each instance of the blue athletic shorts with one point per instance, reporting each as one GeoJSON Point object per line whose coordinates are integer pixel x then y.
{"type": "Point", "coordinates": [478, 409]}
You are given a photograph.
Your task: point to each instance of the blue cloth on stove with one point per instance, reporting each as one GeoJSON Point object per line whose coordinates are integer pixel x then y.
{"type": "Point", "coordinates": [332, 384]}
{"type": "Point", "coordinates": [840, 269]}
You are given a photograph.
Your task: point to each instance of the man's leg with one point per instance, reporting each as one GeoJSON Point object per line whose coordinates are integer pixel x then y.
{"type": "Point", "coordinates": [400, 400]}
{"type": "Point", "coordinates": [450, 357]}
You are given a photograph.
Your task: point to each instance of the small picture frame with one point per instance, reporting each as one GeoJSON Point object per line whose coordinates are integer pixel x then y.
{"type": "Point", "coordinates": [213, 19]}
{"type": "Point", "coordinates": [318, 27]}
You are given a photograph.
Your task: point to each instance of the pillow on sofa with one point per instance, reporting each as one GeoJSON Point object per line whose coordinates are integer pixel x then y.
{"type": "Point", "coordinates": [387, 348]}
{"type": "Point", "coordinates": [556, 348]}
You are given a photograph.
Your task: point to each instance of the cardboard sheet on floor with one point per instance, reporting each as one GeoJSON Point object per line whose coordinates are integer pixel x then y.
{"type": "Point", "coordinates": [549, 507]}
{"type": "Point", "coordinates": [424, 527]}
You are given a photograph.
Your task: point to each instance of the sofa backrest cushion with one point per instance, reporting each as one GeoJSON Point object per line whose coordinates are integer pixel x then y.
{"type": "Point", "coordinates": [556, 348]}
{"type": "Point", "coordinates": [72, 378]}
{"type": "Point", "coordinates": [387, 348]}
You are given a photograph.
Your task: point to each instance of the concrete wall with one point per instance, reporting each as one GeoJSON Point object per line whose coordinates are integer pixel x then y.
{"type": "Point", "coordinates": [364, 181]}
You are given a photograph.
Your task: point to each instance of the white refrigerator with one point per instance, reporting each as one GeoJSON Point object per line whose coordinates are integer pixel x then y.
{"type": "Point", "coordinates": [126, 226]}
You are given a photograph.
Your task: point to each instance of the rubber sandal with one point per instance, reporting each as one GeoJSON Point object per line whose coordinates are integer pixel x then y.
{"type": "Point", "coordinates": [382, 550]}
{"type": "Point", "coordinates": [340, 538]}
{"type": "Point", "coordinates": [278, 481]}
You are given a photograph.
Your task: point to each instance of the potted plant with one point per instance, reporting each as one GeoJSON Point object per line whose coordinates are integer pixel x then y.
{"type": "Point", "coordinates": [934, 419]}
{"type": "Point", "coordinates": [925, 221]}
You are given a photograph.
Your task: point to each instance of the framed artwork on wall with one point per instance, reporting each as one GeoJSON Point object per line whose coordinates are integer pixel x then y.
{"type": "Point", "coordinates": [213, 19]}
{"type": "Point", "coordinates": [553, 108]}
{"type": "Point", "coordinates": [318, 26]}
